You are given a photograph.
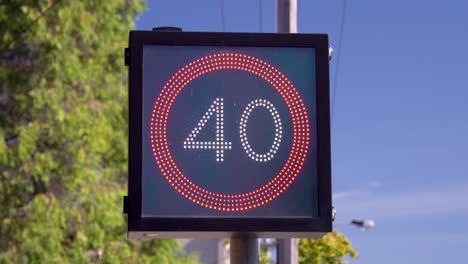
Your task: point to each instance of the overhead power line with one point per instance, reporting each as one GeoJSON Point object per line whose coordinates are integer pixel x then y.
{"type": "Point", "coordinates": [223, 16]}
{"type": "Point", "coordinates": [260, 16]}
{"type": "Point", "coordinates": [340, 50]}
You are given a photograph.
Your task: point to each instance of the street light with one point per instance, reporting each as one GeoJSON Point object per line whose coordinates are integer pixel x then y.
{"type": "Point", "coordinates": [364, 224]}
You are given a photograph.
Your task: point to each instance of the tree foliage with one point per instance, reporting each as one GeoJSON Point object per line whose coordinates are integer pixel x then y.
{"type": "Point", "coordinates": [63, 134]}
{"type": "Point", "coordinates": [330, 249]}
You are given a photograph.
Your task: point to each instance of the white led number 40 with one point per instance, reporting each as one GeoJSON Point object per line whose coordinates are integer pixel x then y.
{"type": "Point", "coordinates": [220, 144]}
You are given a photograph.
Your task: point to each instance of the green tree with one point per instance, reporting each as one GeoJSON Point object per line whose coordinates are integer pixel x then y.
{"type": "Point", "coordinates": [330, 249]}
{"type": "Point", "coordinates": [63, 134]}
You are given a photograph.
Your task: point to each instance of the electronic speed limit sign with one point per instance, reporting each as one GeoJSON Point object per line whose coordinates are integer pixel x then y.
{"type": "Point", "coordinates": [228, 134]}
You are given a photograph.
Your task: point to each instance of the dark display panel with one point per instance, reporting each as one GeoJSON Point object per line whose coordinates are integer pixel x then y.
{"type": "Point", "coordinates": [229, 131]}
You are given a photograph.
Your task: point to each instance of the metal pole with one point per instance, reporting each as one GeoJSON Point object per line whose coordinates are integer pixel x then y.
{"type": "Point", "coordinates": [286, 22]}
{"type": "Point", "coordinates": [244, 250]}
{"type": "Point", "coordinates": [287, 251]}
{"type": "Point", "coordinates": [286, 16]}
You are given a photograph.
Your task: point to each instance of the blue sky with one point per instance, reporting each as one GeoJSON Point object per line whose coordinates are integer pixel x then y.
{"type": "Point", "coordinates": [400, 128]}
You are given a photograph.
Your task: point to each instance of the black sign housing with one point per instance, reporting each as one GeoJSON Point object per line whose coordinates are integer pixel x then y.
{"type": "Point", "coordinates": [229, 135]}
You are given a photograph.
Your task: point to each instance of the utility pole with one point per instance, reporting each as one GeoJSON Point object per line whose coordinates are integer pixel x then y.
{"type": "Point", "coordinates": [286, 16]}
{"type": "Point", "coordinates": [286, 22]}
{"type": "Point", "coordinates": [244, 250]}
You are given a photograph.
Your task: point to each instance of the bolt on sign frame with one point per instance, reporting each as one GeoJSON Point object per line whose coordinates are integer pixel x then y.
{"type": "Point", "coordinates": [229, 135]}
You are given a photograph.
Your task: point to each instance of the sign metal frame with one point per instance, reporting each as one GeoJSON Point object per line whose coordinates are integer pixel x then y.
{"type": "Point", "coordinates": [206, 227]}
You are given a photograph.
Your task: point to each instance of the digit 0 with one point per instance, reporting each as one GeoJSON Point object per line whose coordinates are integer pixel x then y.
{"type": "Point", "coordinates": [243, 130]}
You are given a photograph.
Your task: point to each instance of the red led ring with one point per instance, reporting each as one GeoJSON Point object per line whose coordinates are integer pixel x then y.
{"type": "Point", "coordinates": [218, 201]}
